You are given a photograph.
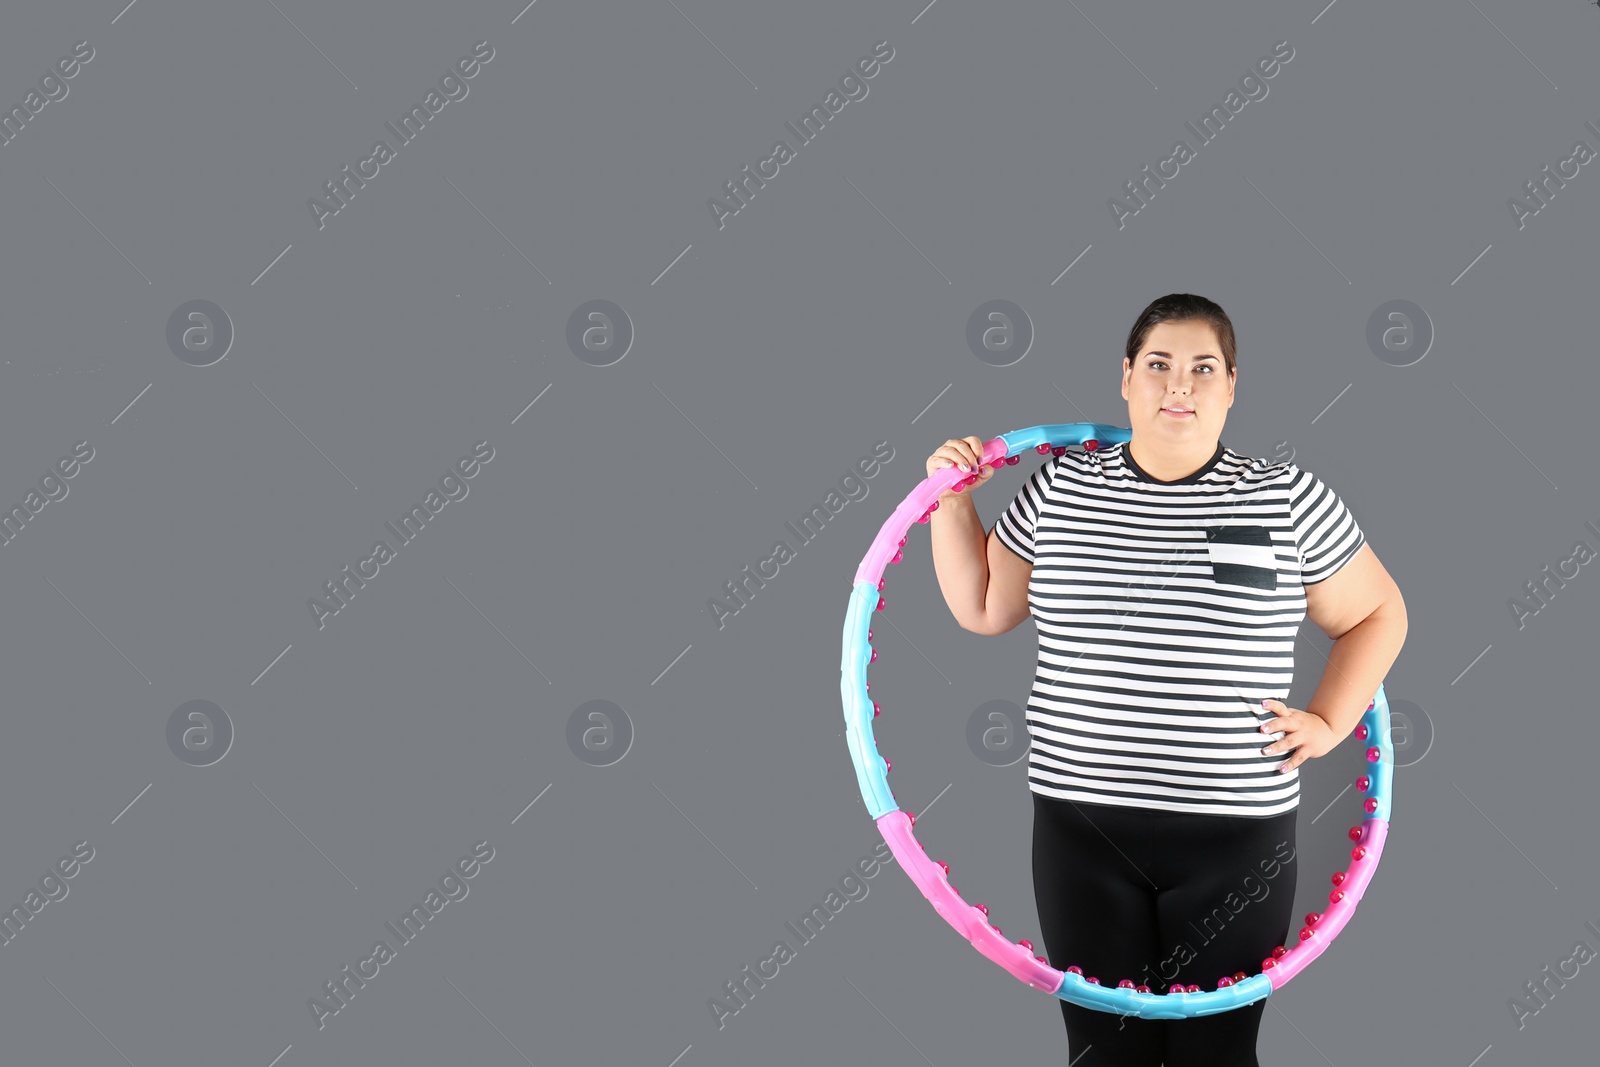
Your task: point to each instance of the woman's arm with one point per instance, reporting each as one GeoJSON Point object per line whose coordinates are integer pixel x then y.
{"type": "Point", "coordinates": [984, 582]}
{"type": "Point", "coordinates": [1361, 608]}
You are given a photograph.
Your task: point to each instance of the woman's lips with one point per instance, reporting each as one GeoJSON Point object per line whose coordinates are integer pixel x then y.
{"type": "Point", "coordinates": [1177, 414]}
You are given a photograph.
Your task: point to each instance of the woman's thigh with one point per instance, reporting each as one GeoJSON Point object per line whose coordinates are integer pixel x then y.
{"type": "Point", "coordinates": [1227, 900]}
{"type": "Point", "coordinates": [1096, 897]}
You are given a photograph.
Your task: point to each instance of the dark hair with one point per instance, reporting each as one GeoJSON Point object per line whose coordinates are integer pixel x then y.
{"type": "Point", "coordinates": [1182, 307]}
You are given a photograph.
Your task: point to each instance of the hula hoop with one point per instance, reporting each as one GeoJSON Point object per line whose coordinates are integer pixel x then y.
{"type": "Point", "coordinates": [971, 921]}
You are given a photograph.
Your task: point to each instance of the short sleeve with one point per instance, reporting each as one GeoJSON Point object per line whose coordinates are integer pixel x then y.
{"type": "Point", "coordinates": [1015, 527]}
{"type": "Point", "coordinates": [1326, 534]}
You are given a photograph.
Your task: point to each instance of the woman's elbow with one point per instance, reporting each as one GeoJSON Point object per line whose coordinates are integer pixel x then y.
{"type": "Point", "coordinates": [992, 626]}
{"type": "Point", "coordinates": [1394, 610]}
{"type": "Point", "coordinates": [978, 623]}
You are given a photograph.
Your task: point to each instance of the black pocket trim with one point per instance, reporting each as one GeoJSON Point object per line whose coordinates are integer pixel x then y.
{"type": "Point", "coordinates": [1243, 556]}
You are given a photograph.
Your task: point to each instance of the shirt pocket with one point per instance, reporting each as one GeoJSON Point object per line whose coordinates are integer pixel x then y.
{"type": "Point", "coordinates": [1242, 556]}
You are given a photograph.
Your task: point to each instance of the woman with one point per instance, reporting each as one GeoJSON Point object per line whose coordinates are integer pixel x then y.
{"type": "Point", "coordinates": [1167, 577]}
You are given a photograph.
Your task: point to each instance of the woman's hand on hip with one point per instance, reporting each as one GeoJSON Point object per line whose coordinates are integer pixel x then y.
{"type": "Point", "coordinates": [1306, 733]}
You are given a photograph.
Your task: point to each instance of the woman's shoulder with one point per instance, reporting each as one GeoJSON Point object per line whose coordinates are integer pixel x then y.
{"type": "Point", "coordinates": [1262, 470]}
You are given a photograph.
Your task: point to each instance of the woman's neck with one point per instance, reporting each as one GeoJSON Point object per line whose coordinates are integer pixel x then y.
{"type": "Point", "coordinates": [1169, 467]}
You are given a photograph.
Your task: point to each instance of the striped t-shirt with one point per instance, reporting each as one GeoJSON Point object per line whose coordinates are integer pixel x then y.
{"type": "Point", "coordinates": [1166, 612]}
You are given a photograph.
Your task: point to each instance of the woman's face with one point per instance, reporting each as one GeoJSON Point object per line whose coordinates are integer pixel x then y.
{"type": "Point", "coordinates": [1180, 366]}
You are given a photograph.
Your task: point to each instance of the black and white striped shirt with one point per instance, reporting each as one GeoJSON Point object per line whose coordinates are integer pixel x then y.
{"type": "Point", "coordinates": [1166, 612]}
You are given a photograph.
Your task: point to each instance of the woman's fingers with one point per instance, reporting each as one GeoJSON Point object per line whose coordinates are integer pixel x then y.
{"type": "Point", "coordinates": [963, 453]}
{"type": "Point", "coordinates": [975, 448]}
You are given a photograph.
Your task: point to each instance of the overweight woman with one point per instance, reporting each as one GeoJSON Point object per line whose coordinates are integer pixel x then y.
{"type": "Point", "coordinates": [1167, 577]}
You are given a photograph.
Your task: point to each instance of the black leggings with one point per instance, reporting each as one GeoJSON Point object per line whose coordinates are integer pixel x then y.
{"type": "Point", "coordinates": [1161, 897]}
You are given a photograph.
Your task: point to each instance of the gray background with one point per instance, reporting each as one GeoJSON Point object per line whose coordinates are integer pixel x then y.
{"type": "Point", "coordinates": [828, 315]}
